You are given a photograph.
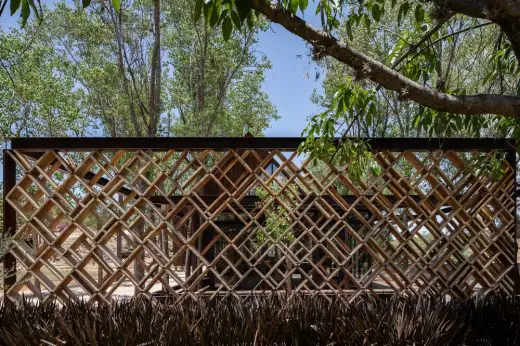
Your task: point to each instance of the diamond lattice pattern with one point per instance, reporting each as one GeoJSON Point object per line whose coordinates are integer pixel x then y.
{"type": "Point", "coordinates": [104, 224]}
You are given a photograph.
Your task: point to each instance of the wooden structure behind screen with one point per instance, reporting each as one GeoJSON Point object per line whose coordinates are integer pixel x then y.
{"type": "Point", "coordinates": [243, 216]}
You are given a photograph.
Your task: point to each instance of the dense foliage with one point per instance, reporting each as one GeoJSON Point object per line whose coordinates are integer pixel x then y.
{"type": "Point", "coordinates": [394, 67]}
{"type": "Point", "coordinates": [112, 72]}
{"type": "Point", "coordinates": [423, 51]}
{"type": "Point", "coordinates": [399, 67]}
{"type": "Point", "coordinates": [273, 320]}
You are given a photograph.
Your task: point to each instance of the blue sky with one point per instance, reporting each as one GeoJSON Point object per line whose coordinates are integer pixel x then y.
{"type": "Point", "coordinates": [290, 82]}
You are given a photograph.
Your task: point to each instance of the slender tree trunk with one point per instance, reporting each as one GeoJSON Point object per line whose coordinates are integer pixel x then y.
{"type": "Point", "coordinates": [155, 73]}
{"type": "Point", "coordinates": [201, 83]}
{"type": "Point", "coordinates": [512, 30]}
{"type": "Point", "coordinates": [118, 30]}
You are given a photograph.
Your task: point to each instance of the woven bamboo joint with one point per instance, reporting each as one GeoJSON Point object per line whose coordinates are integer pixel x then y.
{"type": "Point", "coordinates": [102, 224]}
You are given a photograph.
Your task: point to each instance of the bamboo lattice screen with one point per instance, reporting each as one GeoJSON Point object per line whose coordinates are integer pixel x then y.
{"type": "Point", "coordinates": [238, 219]}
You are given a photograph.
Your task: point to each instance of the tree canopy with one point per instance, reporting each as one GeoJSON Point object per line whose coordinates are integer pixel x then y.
{"type": "Point", "coordinates": [395, 67]}
{"type": "Point", "coordinates": [120, 72]}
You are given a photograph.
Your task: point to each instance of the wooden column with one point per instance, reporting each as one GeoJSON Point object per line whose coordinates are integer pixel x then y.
{"type": "Point", "coordinates": [208, 236]}
{"type": "Point", "coordinates": [164, 244]}
{"type": "Point", "coordinates": [119, 237]}
{"type": "Point", "coordinates": [9, 226]}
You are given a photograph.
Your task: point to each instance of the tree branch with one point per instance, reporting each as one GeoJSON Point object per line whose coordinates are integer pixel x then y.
{"type": "Point", "coordinates": [505, 13]}
{"type": "Point", "coordinates": [384, 75]}
{"type": "Point", "coordinates": [443, 38]}
{"type": "Point", "coordinates": [486, 9]}
{"type": "Point", "coordinates": [413, 47]}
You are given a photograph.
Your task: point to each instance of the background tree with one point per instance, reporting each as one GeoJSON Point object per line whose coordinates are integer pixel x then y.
{"type": "Point", "coordinates": [447, 62]}
{"type": "Point", "coordinates": [215, 81]}
{"type": "Point", "coordinates": [201, 83]}
{"type": "Point", "coordinates": [29, 74]}
{"type": "Point", "coordinates": [422, 66]}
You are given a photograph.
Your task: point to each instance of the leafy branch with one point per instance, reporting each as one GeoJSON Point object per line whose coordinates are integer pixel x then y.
{"type": "Point", "coordinates": [277, 226]}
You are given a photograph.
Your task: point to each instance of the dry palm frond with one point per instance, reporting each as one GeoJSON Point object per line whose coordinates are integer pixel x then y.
{"type": "Point", "coordinates": [493, 319]}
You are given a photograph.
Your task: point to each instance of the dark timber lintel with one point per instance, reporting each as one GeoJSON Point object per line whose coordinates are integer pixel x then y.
{"type": "Point", "coordinates": [223, 143]}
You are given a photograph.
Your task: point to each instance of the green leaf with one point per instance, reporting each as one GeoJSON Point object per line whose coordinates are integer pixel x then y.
{"type": "Point", "coordinates": [243, 8]}
{"type": "Point", "coordinates": [417, 121]}
{"type": "Point", "coordinates": [236, 20]}
{"type": "Point", "coordinates": [403, 11]}
{"type": "Point", "coordinates": [215, 14]}
{"type": "Point", "coordinates": [35, 10]}
{"type": "Point", "coordinates": [117, 5]}
{"type": "Point", "coordinates": [406, 8]}
{"type": "Point", "coordinates": [222, 15]}
{"type": "Point", "coordinates": [25, 12]}
{"type": "Point", "coordinates": [376, 12]}
{"type": "Point", "coordinates": [15, 5]}
{"type": "Point", "coordinates": [208, 10]}
{"type": "Point", "coordinates": [250, 21]}
{"type": "Point", "coordinates": [419, 14]}
{"type": "Point", "coordinates": [198, 9]}
{"type": "Point", "coordinates": [366, 21]}
{"type": "Point", "coordinates": [227, 28]}
{"type": "Point", "coordinates": [85, 3]}
{"type": "Point", "coordinates": [304, 4]}
{"type": "Point", "coordinates": [293, 6]}
{"type": "Point", "coordinates": [349, 30]}
{"type": "Point", "coordinates": [333, 22]}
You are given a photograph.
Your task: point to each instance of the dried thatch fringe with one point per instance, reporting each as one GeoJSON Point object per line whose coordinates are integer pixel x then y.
{"type": "Point", "coordinates": [268, 320]}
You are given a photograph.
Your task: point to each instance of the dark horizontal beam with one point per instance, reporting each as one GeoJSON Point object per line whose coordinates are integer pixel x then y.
{"type": "Point", "coordinates": [223, 143]}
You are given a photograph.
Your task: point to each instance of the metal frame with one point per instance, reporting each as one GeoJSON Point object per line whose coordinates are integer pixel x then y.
{"type": "Point", "coordinates": [9, 224]}
{"type": "Point", "coordinates": [221, 143]}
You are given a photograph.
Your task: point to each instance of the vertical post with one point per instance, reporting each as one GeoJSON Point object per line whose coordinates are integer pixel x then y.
{"type": "Point", "coordinates": [119, 237]}
{"type": "Point", "coordinates": [9, 226]}
{"type": "Point", "coordinates": [208, 235]}
{"type": "Point", "coordinates": [515, 274]}
{"type": "Point", "coordinates": [139, 269]}
{"type": "Point", "coordinates": [164, 243]}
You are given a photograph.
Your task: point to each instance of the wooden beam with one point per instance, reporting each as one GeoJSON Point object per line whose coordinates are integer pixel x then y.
{"type": "Point", "coordinates": [266, 143]}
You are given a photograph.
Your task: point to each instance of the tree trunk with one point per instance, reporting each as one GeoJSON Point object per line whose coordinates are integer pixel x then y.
{"type": "Point", "coordinates": [155, 73]}
{"type": "Point", "coordinates": [512, 30]}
